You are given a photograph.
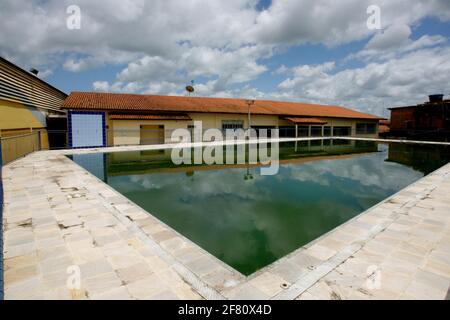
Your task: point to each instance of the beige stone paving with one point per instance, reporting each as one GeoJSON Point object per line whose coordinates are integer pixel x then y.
{"type": "Point", "coordinates": [46, 232]}
{"type": "Point", "coordinates": [411, 257]}
{"type": "Point", "coordinates": [57, 215]}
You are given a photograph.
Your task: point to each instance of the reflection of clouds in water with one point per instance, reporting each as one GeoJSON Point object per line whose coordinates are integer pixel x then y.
{"type": "Point", "coordinates": [201, 184]}
{"type": "Point", "coordinates": [241, 219]}
{"type": "Point", "coordinates": [305, 174]}
{"type": "Point", "coordinates": [368, 170]}
{"type": "Point", "coordinates": [147, 182]}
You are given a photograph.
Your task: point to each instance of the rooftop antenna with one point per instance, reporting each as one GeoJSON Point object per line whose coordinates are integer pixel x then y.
{"type": "Point", "coordinates": [190, 88]}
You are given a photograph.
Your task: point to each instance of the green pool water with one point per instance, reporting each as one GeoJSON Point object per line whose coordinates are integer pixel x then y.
{"type": "Point", "coordinates": [248, 220]}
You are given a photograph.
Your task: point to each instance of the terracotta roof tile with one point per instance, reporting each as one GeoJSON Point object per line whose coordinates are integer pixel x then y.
{"type": "Point", "coordinates": [306, 120]}
{"type": "Point", "coordinates": [138, 102]}
{"type": "Point", "coordinates": [153, 116]}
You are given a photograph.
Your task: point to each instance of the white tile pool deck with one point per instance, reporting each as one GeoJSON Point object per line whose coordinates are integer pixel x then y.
{"type": "Point", "coordinates": [58, 215]}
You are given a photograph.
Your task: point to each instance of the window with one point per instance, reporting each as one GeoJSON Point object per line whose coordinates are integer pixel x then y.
{"type": "Point", "coordinates": [316, 131]}
{"type": "Point", "coordinates": [260, 128]}
{"type": "Point", "coordinates": [366, 128]}
{"type": "Point", "coordinates": [232, 124]}
{"type": "Point", "coordinates": [287, 132]}
{"type": "Point", "coordinates": [342, 131]}
{"type": "Point", "coordinates": [327, 131]}
{"type": "Point", "coordinates": [303, 131]}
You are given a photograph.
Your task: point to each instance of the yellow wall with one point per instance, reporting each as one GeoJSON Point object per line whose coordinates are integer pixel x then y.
{"type": "Point", "coordinates": [17, 119]}
{"type": "Point", "coordinates": [214, 120]}
{"type": "Point", "coordinates": [127, 132]}
{"type": "Point", "coordinates": [15, 115]}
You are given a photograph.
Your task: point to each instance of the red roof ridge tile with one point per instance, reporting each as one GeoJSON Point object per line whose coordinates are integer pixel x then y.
{"type": "Point", "coordinates": [79, 100]}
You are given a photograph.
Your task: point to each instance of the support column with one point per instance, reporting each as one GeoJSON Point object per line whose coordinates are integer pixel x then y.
{"type": "Point", "coordinates": [296, 130]}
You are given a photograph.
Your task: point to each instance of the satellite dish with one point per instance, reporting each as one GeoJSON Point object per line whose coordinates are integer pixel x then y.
{"type": "Point", "coordinates": [190, 88]}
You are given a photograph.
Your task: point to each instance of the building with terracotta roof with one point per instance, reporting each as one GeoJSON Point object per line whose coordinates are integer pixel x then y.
{"type": "Point", "coordinates": [107, 119]}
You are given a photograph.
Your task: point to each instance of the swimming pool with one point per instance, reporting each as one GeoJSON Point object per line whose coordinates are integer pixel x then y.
{"type": "Point", "coordinates": [248, 220]}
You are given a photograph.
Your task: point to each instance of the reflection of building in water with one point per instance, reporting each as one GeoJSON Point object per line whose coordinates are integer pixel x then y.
{"type": "Point", "coordinates": [297, 149]}
{"type": "Point", "coordinates": [420, 157]}
{"type": "Point", "coordinates": [153, 161]}
{"type": "Point", "coordinates": [95, 163]}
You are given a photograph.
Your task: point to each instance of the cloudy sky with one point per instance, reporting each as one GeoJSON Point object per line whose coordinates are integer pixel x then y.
{"type": "Point", "coordinates": [300, 50]}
